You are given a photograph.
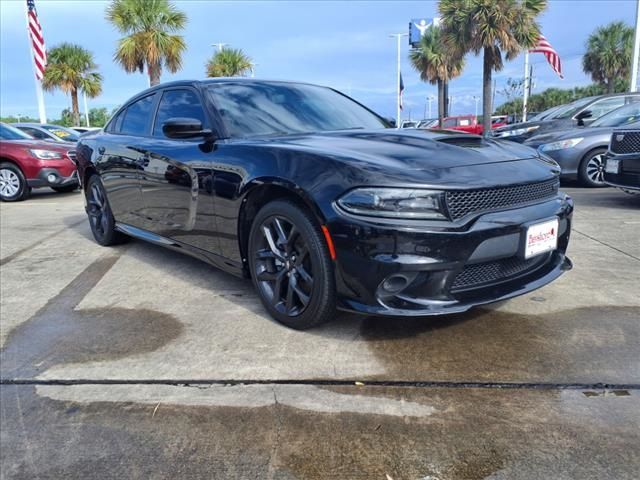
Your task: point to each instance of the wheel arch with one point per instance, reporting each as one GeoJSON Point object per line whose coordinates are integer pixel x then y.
{"type": "Point", "coordinates": [4, 159]}
{"type": "Point", "coordinates": [259, 193]}
{"type": "Point", "coordinates": [590, 151]}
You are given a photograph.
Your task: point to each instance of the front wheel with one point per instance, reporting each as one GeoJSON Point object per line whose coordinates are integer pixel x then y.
{"type": "Point", "coordinates": [291, 267]}
{"type": "Point", "coordinates": [591, 171]}
{"type": "Point", "coordinates": [13, 184]}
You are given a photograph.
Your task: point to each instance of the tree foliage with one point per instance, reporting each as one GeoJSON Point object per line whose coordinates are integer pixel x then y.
{"type": "Point", "coordinates": [499, 29]}
{"type": "Point", "coordinates": [150, 40]}
{"type": "Point", "coordinates": [608, 55]}
{"type": "Point", "coordinates": [71, 69]}
{"type": "Point", "coordinates": [435, 64]}
{"type": "Point", "coordinates": [229, 62]}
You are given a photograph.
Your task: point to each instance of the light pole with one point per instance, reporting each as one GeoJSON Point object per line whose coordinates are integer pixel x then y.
{"type": "Point", "coordinates": [451, 105]}
{"type": "Point", "coordinates": [430, 98]}
{"type": "Point", "coordinates": [398, 36]}
{"type": "Point", "coordinates": [636, 52]}
{"type": "Point", "coordinates": [477, 99]}
{"type": "Point", "coordinates": [219, 46]}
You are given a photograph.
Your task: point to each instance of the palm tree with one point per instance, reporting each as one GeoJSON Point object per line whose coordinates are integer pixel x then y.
{"type": "Point", "coordinates": [493, 27]}
{"type": "Point", "coordinates": [71, 68]}
{"type": "Point", "coordinates": [150, 42]}
{"type": "Point", "coordinates": [229, 62]}
{"type": "Point", "coordinates": [608, 54]}
{"type": "Point", "coordinates": [432, 61]}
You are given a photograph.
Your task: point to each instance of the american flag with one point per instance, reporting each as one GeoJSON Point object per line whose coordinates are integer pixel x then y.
{"type": "Point", "coordinates": [37, 40]}
{"type": "Point", "coordinates": [553, 58]}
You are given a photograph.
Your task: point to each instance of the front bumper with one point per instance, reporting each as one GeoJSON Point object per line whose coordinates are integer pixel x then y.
{"type": "Point", "coordinates": [628, 175]}
{"type": "Point", "coordinates": [446, 268]}
{"type": "Point", "coordinates": [51, 177]}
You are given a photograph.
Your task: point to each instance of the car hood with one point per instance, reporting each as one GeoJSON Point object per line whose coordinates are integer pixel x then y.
{"type": "Point", "coordinates": [580, 132]}
{"type": "Point", "coordinates": [41, 144]}
{"type": "Point", "coordinates": [413, 150]}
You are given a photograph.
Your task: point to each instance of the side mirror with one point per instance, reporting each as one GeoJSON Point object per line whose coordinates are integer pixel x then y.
{"type": "Point", "coordinates": [391, 122]}
{"type": "Point", "coordinates": [183, 128]}
{"type": "Point", "coordinates": [584, 114]}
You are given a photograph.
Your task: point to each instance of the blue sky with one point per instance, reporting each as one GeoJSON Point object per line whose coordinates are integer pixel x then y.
{"type": "Point", "coordinates": [341, 44]}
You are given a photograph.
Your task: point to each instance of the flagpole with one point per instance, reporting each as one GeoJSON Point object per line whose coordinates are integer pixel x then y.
{"type": "Point", "coordinates": [636, 52]}
{"type": "Point", "coordinates": [39, 95]}
{"type": "Point", "coordinates": [525, 95]}
{"type": "Point", "coordinates": [398, 36]}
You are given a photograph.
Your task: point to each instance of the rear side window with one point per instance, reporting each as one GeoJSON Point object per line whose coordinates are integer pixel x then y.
{"type": "Point", "coordinates": [450, 122]}
{"type": "Point", "coordinates": [35, 133]}
{"type": "Point", "coordinates": [606, 105]}
{"type": "Point", "coordinates": [137, 117]}
{"type": "Point", "coordinates": [182, 103]}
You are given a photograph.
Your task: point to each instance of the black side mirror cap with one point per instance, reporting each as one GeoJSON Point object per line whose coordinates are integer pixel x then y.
{"type": "Point", "coordinates": [584, 114]}
{"type": "Point", "coordinates": [185, 128]}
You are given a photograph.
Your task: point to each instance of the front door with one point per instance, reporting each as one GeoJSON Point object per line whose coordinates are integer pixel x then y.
{"type": "Point", "coordinates": [176, 176]}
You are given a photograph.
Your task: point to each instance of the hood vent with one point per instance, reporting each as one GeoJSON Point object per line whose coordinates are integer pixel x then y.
{"type": "Point", "coordinates": [465, 141]}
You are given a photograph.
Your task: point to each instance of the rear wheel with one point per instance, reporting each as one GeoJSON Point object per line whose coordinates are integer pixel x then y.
{"type": "Point", "coordinates": [591, 171]}
{"type": "Point", "coordinates": [100, 217]}
{"type": "Point", "coordinates": [291, 267]}
{"type": "Point", "coordinates": [13, 184]}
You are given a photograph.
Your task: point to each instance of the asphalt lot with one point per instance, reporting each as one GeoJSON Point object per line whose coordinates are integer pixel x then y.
{"type": "Point", "coordinates": [137, 362]}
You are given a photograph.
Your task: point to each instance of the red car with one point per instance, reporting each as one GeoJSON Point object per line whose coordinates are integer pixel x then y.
{"type": "Point", "coordinates": [26, 163]}
{"type": "Point", "coordinates": [464, 123]}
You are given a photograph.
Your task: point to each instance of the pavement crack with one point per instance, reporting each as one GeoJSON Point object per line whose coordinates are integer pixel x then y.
{"type": "Point", "coordinates": [207, 383]}
{"type": "Point", "coordinates": [277, 426]}
{"type": "Point", "coordinates": [606, 244]}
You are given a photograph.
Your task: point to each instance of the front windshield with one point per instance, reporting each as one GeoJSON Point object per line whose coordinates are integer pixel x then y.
{"type": "Point", "coordinates": [62, 133]}
{"type": "Point", "coordinates": [8, 132]}
{"type": "Point", "coordinates": [253, 109]}
{"type": "Point", "coordinates": [548, 113]}
{"type": "Point", "coordinates": [620, 116]}
{"type": "Point", "coordinates": [575, 107]}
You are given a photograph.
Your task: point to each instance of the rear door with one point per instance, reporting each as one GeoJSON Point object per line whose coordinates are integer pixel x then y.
{"type": "Point", "coordinates": [176, 175]}
{"type": "Point", "coordinates": [121, 151]}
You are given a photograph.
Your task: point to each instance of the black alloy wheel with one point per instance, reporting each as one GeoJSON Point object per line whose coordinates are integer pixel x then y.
{"type": "Point", "coordinates": [291, 267]}
{"type": "Point", "coordinates": [100, 217]}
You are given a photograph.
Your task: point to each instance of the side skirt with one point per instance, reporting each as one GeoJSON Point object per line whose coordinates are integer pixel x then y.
{"type": "Point", "coordinates": [214, 259]}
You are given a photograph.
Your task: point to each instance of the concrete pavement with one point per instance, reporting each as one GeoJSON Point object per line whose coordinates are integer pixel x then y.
{"type": "Point", "coordinates": [139, 362]}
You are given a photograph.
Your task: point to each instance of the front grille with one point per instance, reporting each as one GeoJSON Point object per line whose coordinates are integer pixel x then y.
{"type": "Point", "coordinates": [463, 202]}
{"type": "Point", "coordinates": [625, 141]}
{"type": "Point", "coordinates": [487, 273]}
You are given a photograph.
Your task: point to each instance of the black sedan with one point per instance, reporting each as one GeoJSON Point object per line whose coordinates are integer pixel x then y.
{"type": "Point", "coordinates": [311, 195]}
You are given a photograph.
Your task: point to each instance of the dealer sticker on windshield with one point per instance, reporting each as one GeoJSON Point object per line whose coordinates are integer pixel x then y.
{"type": "Point", "coordinates": [541, 238]}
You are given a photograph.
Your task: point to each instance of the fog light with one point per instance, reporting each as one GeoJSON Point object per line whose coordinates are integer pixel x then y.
{"type": "Point", "coordinates": [52, 178]}
{"type": "Point", "coordinates": [395, 283]}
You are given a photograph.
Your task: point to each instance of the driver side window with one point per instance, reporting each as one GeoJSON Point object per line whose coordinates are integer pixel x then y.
{"type": "Point", "coordinates": [182, 103]}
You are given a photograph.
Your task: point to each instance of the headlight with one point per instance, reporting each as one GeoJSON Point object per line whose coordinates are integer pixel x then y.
{"type": "Point", "coordinates": [45, 154]}
{"type": "Point", "coordinates": [394, 202]}
{"type": "Point", "coordinates": [517, 131]}
{"type": "Point", "coordinates": [546, 158]}
{"type": "Point", "coordinates": [559, 145]}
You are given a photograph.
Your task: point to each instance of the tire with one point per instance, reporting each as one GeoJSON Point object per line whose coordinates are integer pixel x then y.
{"type": "Point", "coordinates": [66, 188]}
{"type": "Point", "coordinates": [291, 267]}
{"type": "Point", "coordinates": [13, 184]}
{"type": "Point", "coordinates": [591, 170]}
{"type": "Point", "coordinates": [101, 219]}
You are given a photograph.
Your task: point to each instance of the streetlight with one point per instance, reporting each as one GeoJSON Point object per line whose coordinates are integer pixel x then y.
{"type": "Point", "coordinates": [477, 99]}
{"type": "Point", "coordinates": [430, 98]}
{"type": "Point", "coordinates": [450, 105]}
{"type": "Point", "coordinates": [398, 36]}
{"type": "Point", "coordinates": [219, 46]}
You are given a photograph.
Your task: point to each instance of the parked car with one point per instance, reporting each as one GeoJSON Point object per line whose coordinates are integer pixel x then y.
{"type": "Point", "coordinates": [622, 165]}
{"type": "Point", "coordinates": [580, 152]}
{"type": "Point", "coordinates": [577, 114]}
{"type": "Point", "coordinates": [306, 192]}
{"type": "Point", "coordinates": [408, 124]}
{"type": "Point", "coordinates": [428, 123]}
{"type": "Point", "coordinates": [463, 123]}
{"type": "Point", "coordinates": [26, 163]}
{"type": "Point", "coordinates": [43, 131]}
